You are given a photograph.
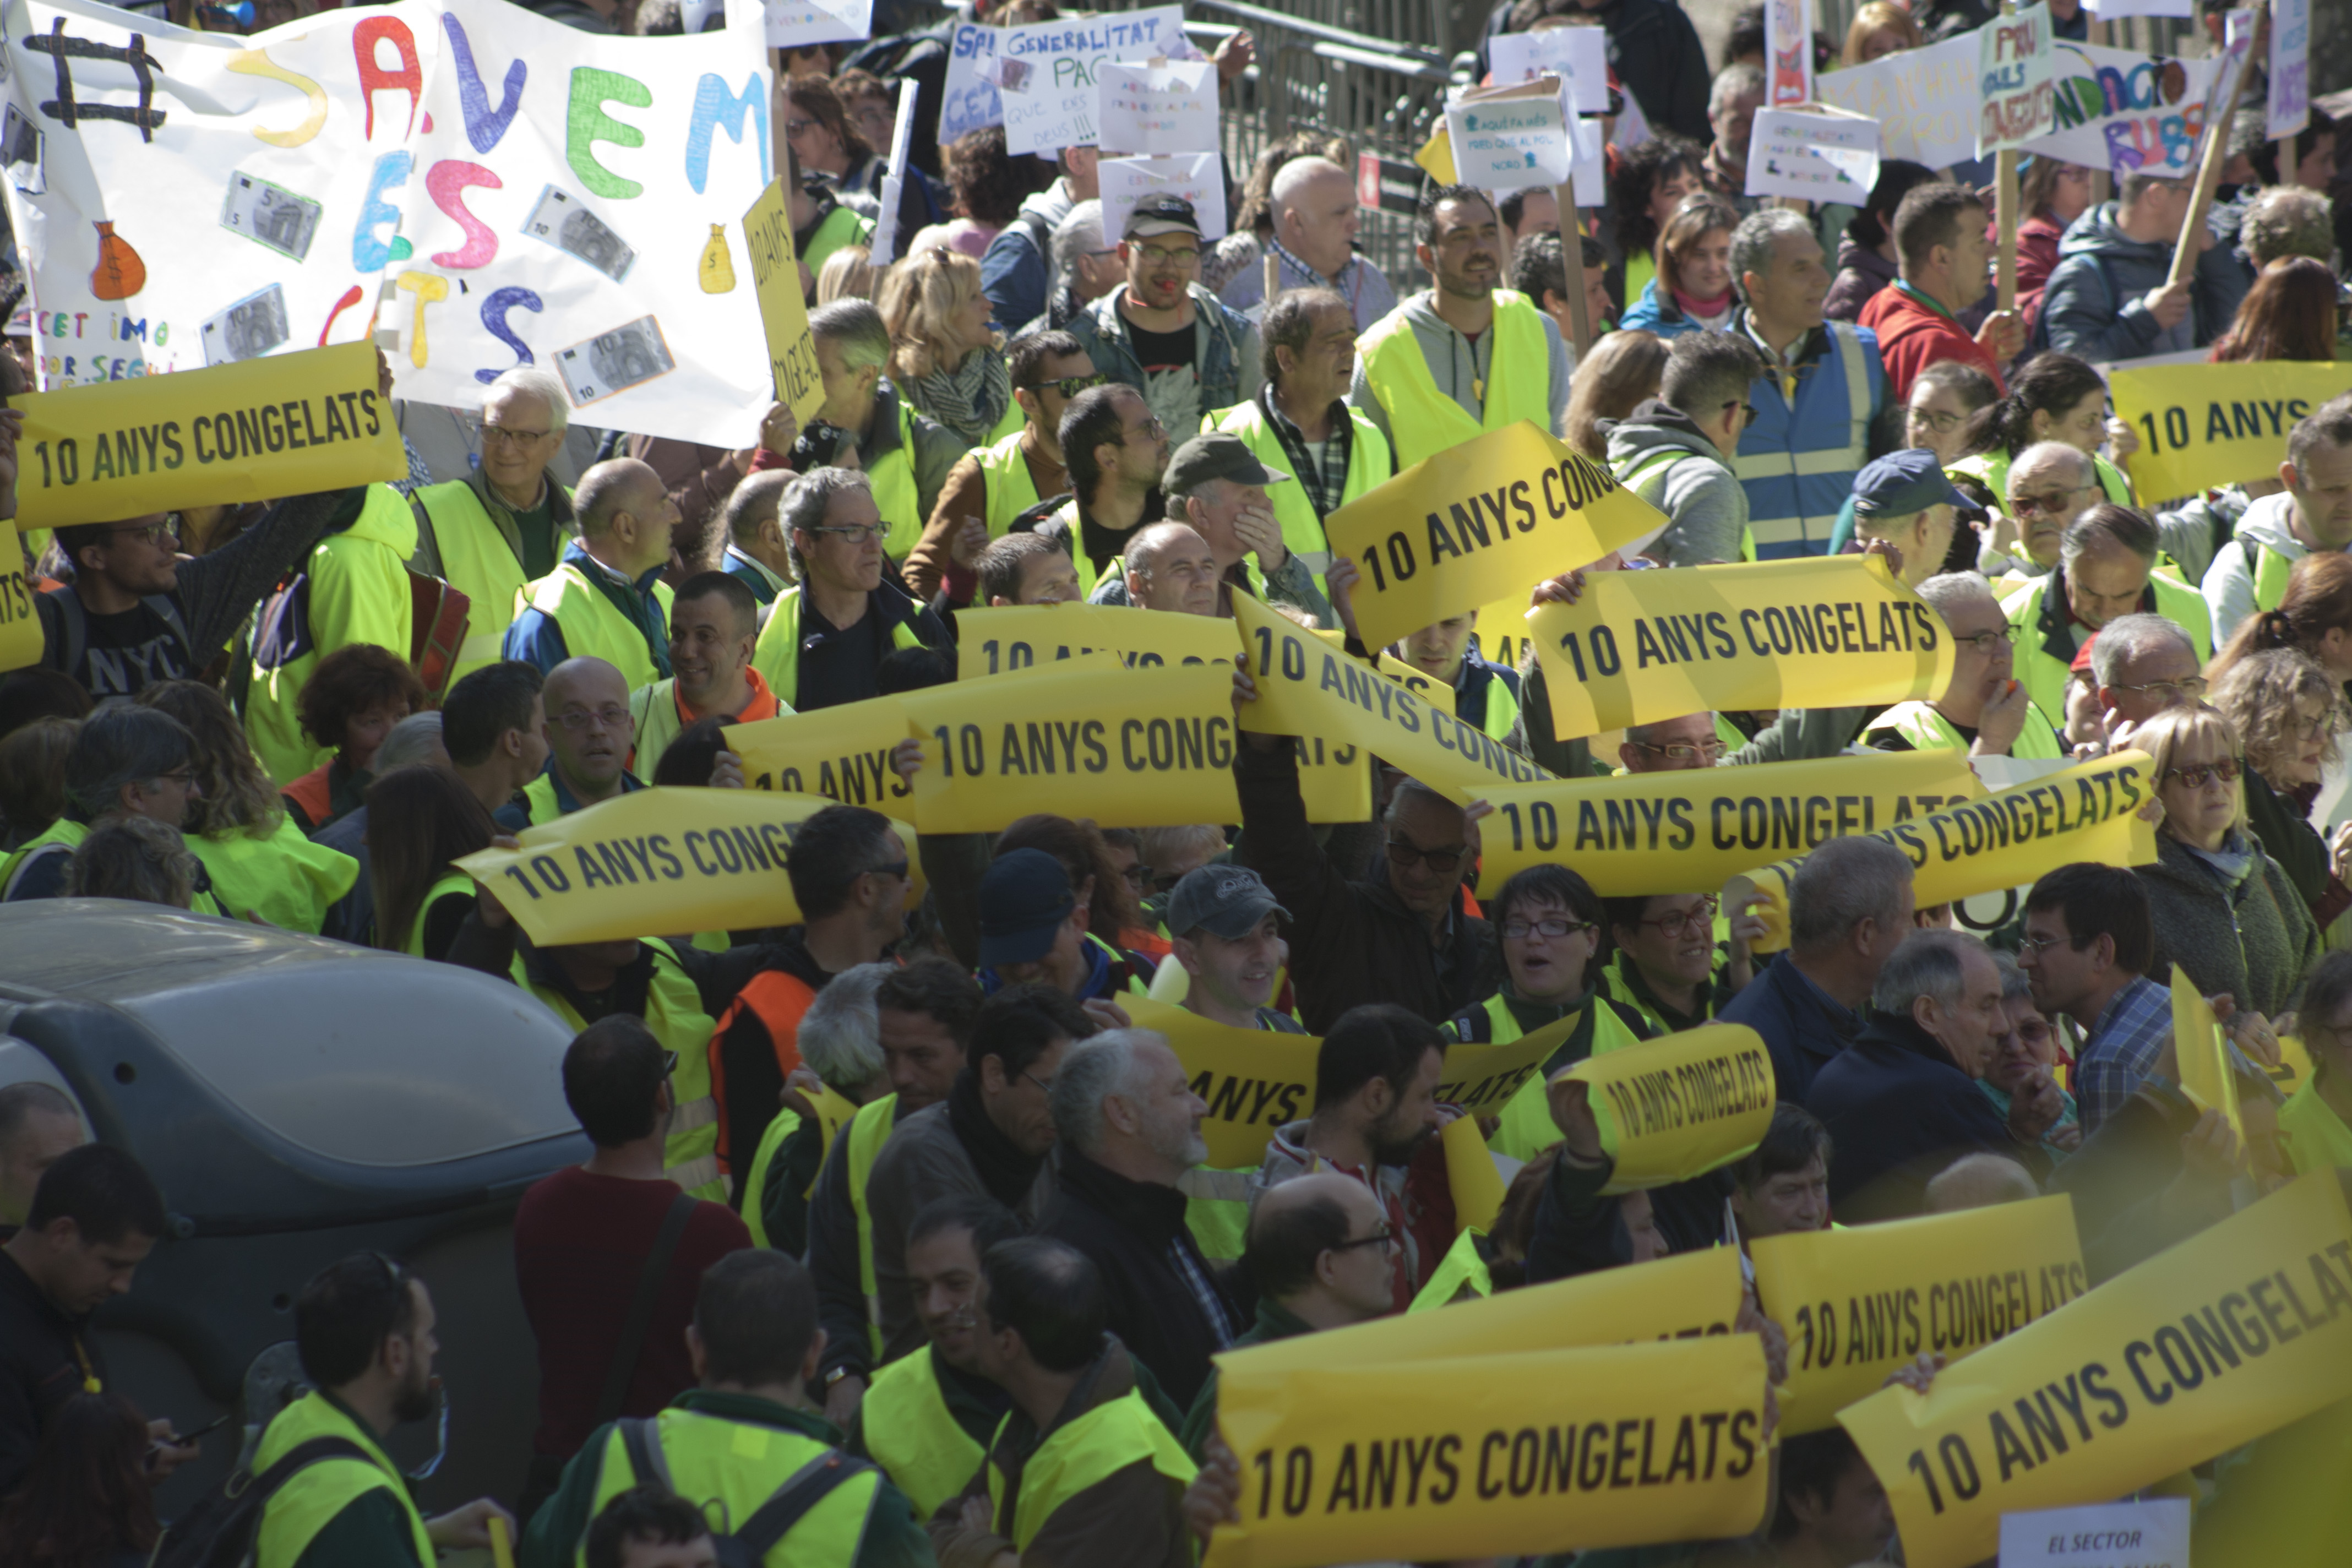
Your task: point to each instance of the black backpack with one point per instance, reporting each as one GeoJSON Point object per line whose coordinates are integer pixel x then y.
{"type": "Point", "coordinates": [224, 1529]}
{"type": "Point", "coordinates": [747, 1545]}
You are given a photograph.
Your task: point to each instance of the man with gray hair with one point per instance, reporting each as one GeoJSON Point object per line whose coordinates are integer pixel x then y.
{"type": "Point", "coordinates": [1674, 450]}
{"type": "Point", "coordinates": [905, 455]}
{"type": "Point", "coordinates": [1982, 709]}
{"type": "Point", "coordinates": [1085, 270]}
{"type": "Point", "coordinates": [1901, 1102]}
{"type": "Point", "coordinates": [2106, 562]}
{"type": "Point", "coordinates": [1731, 106]}
{"type": "Point", "coordinates": [1313, 205]}
{"type": "Point", "coordinates": [605, 598]}
{"type": "Point", "coordinates": [827, 635]}
{"type": "Point", "coordinates": [126, 761]}
{"type": "Point", "coordinates": [1849, 906]}
{"type": "Point", "coordinates": [1220, 487]}
{"type": "Point", "coordinates": [2109, 297]}
{"type": "Point", "coordinates": [840, 1041]}
{"type": "Point", "coordinates": [1129, 1125]}
{"type": "Point", "coordinates": [2287, 220]}
{"type": "Point", "coordinates": [2144, 665]}
{"type": "Point", "coordinates": [1816, 408]}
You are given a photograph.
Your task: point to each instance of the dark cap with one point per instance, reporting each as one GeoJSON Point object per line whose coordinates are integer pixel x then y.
{"type": "Point", "coordinates": [1214, 454]}
{"type": "Point", "coordinates": [1902, 483]}
{"type": "Point", "coordinates": [1162, 213]}
{"type": "Point", "coordinates": [1224, 900]}
{"type": "Point", "coordinates": [1024, 897]}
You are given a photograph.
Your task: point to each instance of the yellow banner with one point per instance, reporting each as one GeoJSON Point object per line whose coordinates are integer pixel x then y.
{"type": "Point", "coordinates": [655, 862]}
{"type": "Point", "coordinates": [20, 622]}
{"type": "Point", "coordinates": [1009, 639]}
{"type": "Point", "coordinates": [2212, 1342]}
{"type": "Point", "coordinates": [1687, 832]}
{"type": "Point", "coordinates": [1307, 688]}
{"type": "Point", "coordinates": [289, 425]}
{"type": "Point", "coordinates": [1822, 632]}
{"type": "Point", "coordinates": [1858, 1304]}
{"type": "Point", "coordinates": [1425, 686]}
{"type": "Point", "coordinates": [2203, 1053]}
{"type": "Point", "coordinates": [2088, 812]}
{"type": "Point", "coordinates": [1471, 1178]}
{"type": "Point", "coordinates": [1477, 522]}
{"type": "Point", "coordinates": [1334, 780]}
{"type": "Point", "coordinates": [842, 754]}
{"type": "Point", "coordinates": [2206, 424]}
{"type": "Point", "coordinates": [783, 312]}
{"type": "Point", "coordinates": [1536, 1452]}
{"type": "Point", "coordinates": [1130, 748]}
{"type": "Point", "coordinates": [1503, 630]}
{"type": "Point", "coordinates": [1680, 1105]}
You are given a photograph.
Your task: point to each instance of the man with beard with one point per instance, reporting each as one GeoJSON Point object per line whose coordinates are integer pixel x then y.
{"type": "Point", "coordinates": [364, 1328]}
{"type": "Point", "coordinates": [1375, 1121]}
{"type": "Point", "coordinates": [1466, 357]}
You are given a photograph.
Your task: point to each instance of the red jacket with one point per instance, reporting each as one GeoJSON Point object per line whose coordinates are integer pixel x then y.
{"type": "Point", "coordinates": [2037, 258]}
{"type": "Point", "coordinates": [1913, 335]}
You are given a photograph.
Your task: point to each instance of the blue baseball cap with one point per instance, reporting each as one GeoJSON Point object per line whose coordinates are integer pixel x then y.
{"type": "Point", "coordinates": [1024, 897]}
{"type": "Point", "coordinates": [1902, 483]}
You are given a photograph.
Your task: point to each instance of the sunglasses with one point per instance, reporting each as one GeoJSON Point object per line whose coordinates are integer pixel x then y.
{"type": "Point", "coordinates": [1068, 387]}
{"type": "Point", "coordinates": [1443, 862]}
{"type": "Point", "coordinates": [2226, 770]}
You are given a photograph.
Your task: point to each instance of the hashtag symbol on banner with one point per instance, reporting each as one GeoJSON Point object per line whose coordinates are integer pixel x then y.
{"type": "Point", "coordinates": [63, 108]}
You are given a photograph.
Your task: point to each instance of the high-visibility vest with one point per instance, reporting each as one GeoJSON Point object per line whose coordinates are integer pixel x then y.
{"type": "Point", "coordinates": [777, 655]}
{"type": "Point", "coordinates": [912, 1435]}
{"type": "Point", "coordinates": [1080, 1454]}
{"type": "Point", "coordinates": [833, 1114]}
{"type": "Point", "coordinates": [72, 835]}
{"type": "Point", "coordinates": [674, 1013]}
{"type": "Point", "coordinates": [1991, 470]}
{"type": "Point", "coordinates": [1794, 480]}
{"type": "Point", "coordinates": [1216, 1209]}
{"type": "Point", "coordinates": [594, 627]}
{"type": "Point", "coordinates": [1527, 1129]}
{"type": "Point", "coordinates": [539, 795]}
{"type": "Point", "coordinates": [737, 1466]}
{"type": "Point", "coordinates": [1005, 482]}
{"type": "Point", "coordinates": [1460, 1266]}
{"type": "Point", "coordinates": [1617, 988]}
{"type": "Point", "coordinates": [1646, 478]}
{"type": "Point", "coordinates": [842, 225]}
{"type": "Point", "coordinates": [450, 882]}
{"type": "Point", "coordinates": [476, 561]}
{"type": "Point", "coordinates": [2271, 570]}
{"type": "Point", "coordinates": [2317, 1139]}
{"type": "Point", "coordinates": [1369, 463]}
{"type": "Point", "coordinates": [309, 1502]}
{"type": "Point", "coordinates": [1424, 421]}
{"type": "Point", "coordinates": [1928, 730]}
{"type": "Point", "coordinates": [868, 1130]}
{"type": "Point", "coordinates": [892, 477]}
{"type": "Point", "coordinates": [285, 879]}
{"type": "Point", "coordinates": [1502, 707]}
{"type": "Point", "coordinates": [2044, 675]}
{"type": "Point", "coordinates": [778, 1000]}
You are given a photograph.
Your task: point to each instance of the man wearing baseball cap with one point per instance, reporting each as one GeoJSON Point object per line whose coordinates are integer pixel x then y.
{"type": "Point", "coordinates": [1216, 491]}
{"type": "Point", "coordinates": [1904, 499]}
{"type": "Point", "coordinates": [1162, 333]}
{"type": "Point", "coordinates": [1032, 931]}
{"type": "Point", "coordinates": [1227, 934]}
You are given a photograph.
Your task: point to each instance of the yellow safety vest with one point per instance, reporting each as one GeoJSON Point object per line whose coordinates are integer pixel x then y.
{"type": "Point", "coordinates": [1928, 730]}
{"type": "Point", "coordinates": [1502, 709]}
{"type": "Point", "coordinates": [892, 477]}
{"type": "Point", "coordinates": [1005, 482]}
{"type": "Point", "coordinates": [1991, 470]}
{"type": "Point", "coordinates": [777, 655]}
{"type": "Point", "coordinates": [1526, 1128]}
{"type": "Point", "coordinates": [453, 882]}
{"type": "Point", "coordinates": [2272, 571]}
{"type": "Point", "coordinates": [868, 1133]}
{"type": "Point", "coordinates": [1424, 421]}
{"type": "Point", "coordinates": [841, 227]}
{"type": "Point", "coordinates": [1217, 1209]}
{"type": "Point", "coordinates": [1647, 478]}
{"type": "Point", "coordinates": [540, 796]}
{"type": "Point", "coordinates": [285, 879]}
{"type": "Point", "coordinates": [2317, 1139]}
{"type": "Point", "coordinates": [594, 627]}
{"type": "Point", "coordinates": [72, 834]}
{"type": "Point", "coordinates": [1460, 1266]}
{"type": "Point", "coordinates": [912, 1435]}
{"type": "Point", "coordinates": [737, 1466]}
{"type": "Point", "coordinates": [476, 561]}
{"type": "Point", "coordinates": [833, 1114]}
{"type": "Point", "coordinates": [310, 1502]}
{"type": "Point", "coordinates": [1302, 529]}
{"type": "Point", "coordinates": [1080, 1454]}
{"type": "Point", "coordinates": [674, 1013]}
{"type": "Point", "coordinates": [2045, 676]}
{"type": "Point", "coordinates": [1617, 988]}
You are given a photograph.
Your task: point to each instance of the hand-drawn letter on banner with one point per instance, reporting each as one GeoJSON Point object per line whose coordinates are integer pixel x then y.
{"type": "Point", "coordinates": [2235, 1332]}
{"type": "Point", "coordinates": [1644, 646]}
{"type": "Point", "coordinates": [1479, 523]}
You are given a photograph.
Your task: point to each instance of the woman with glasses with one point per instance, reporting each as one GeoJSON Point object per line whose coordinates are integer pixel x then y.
{"type": "Point", "coordinates": [2292, 718]}
{"type": "Point", "coordinates": [2313, 618]}
{"type": "Point", "coordinates": [2224, 912]}
{"type": "Point", "coordinates": [1547, 920]}
{"type": "Point", "coordinates": [1665, 967]}
{"type": "Point", "coordinates": [2056, 397]}
{"type": "Point", "coordinates": [944, 356]}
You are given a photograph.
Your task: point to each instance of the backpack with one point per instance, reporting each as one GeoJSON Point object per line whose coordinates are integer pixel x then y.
{"type": "Point", "coordinates": [772, 1520]}
{"type": "Point", "coordinates": [224, 1529]}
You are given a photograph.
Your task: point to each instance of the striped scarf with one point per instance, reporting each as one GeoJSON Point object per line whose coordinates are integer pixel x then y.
{"type": "Point", "coordinates": [970, 399]}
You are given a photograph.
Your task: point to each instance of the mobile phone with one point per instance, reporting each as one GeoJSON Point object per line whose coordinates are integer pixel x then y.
{"type": "Point", "coordinates": [184, 1439]}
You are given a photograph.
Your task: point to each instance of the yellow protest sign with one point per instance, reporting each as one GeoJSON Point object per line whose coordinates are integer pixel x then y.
{"type": "Point", "coordinates": [1834, 631]}
{"type": "Point", "coordinates": [1479, 523]}
{"type": "Point", "coordinates": [1009, 639]}
{"type": "Point", "coordinates": [842, 754]}
{"type": "Point", "coordinates": [2206, 424]}
{"type": "Point", "coordinates": [1534, 1452]}
{"type": "Point", "coordinates": [1428, 687]}
{"type": "Point", "coordinates": [1685, 832]}
{"type": "Point", "coordinates": [1141, 748]}
{"type": "Point", "coordinates": [1680, 1105]}
{"type": "Point", "coordinates": [1437, 156]}
{"type": "Point", "coordinates": [2088, 812]}
{"type": "Point", "coordinates": [289, 425]}
{"type": "Point", "coordinates": [1307, 688]}
{"type": "Point", "coordinates": [2202, 1052]}
{"type": "Point", "coordinates": [1503, 630]}
{"type": "Point", "coordinates": [1471, 1177]}
{"type": "Point", "coordinates": [1334, 780]}
{"type": "Point", "coordinates": [20, 621]}
{"type": "Point", "coordinates": [2212, 1342]}
{"type": "Point", "coordinates": [784, 310]}
{"type": "Point", "coordinates": [657, 861]}
{"type": "Point", "coordinates": [1858, 1304]}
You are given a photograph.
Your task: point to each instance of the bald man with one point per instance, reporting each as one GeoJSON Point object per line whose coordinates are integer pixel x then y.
{"type": "Point", "coordinates": [605, 598]}
{"type": "Point", "coordinates": [1315, 223]}
{"type": "Point", "coordinates": [588, 733]}
{"type": "Point", "coordinates": [1171, 567]}
{"type": "Point", "coordinates": [2049, 485]}
{"type": "Point", "coordinates": [1978, 1181]}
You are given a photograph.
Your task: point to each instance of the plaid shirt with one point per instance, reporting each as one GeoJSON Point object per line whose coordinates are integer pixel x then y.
{"type": "Point", "coordinates": [2121, 1049]}
{"type": "Point", "coordinates": [1325, 488]}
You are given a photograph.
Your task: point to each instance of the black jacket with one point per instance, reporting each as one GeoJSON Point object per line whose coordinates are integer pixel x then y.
{"type": "Point", "coordinates": [39, 1371]}
{"type": "Point", "coordinates": [1135, 1233]}
{"type": "Point", "coordinates": [1656, 52]}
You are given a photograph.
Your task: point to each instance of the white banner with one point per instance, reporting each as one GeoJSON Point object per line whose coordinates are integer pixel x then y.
{"type": "Point", "coordinates": [791, 22]}
{"type": "Point", "coordinates": [1509, 143]}
{"type": "Point", "coordinates": [1158, 108]}
{"type": "Point", "coordinates": [1814, 157]}
{"type": "Point", "coordinates": [1788, 54]}
{"type": "Point", "coordinates": [1046, 73]}
{"type": "Point", "coordinates": [2111, 10]}
{"type": "Point", "coordinates": [2289, 108]}
{"type": "Point", "coordinates": [970, 101]}
{"type": "Point", "coordinates": [1194, 177]}
{"type": "Point", "coordinates": [1579, 54]}
{"type": "Point", "coordinates": [1924, 100]}
{"type": "Point", "coordinates": [2118, 111]}
{"type": "Point", "coordinates": [2014, 61]}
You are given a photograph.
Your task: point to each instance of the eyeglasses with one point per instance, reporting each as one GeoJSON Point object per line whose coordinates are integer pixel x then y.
{"type": "Point", "coordinates": [184, 777]}
{"type": "Point", "coordinates": [2038, 946]}
{"type": "Point", "coordinates": [1443, 862]}
{"type": "Point", "coordinates": [2226, 770]}
{"type": "Point", "coordinates": [1045, 1085]}
{"type": "Point", "coordinates": [1384, 1238]}
{"type": "Point", "coordinates": [2310, 729]}
{"type": "Point", "coordinates": [2188, 689]}
{"type": "Point", "coordinates": [897, 869]}
{"type": "Point", "coordinates": [505, 435]}
{"type": "Point", "coordinates": [152, 532]}
{"type": "Point", "coordinates": [1985, 642]}
{"type": "Point", "coordinates": [1068, 387]}
{"type": "Point", "coordinates": [1941, 423]}
{"type": "Point", "coordinates": [1150, 428]}
{"type": "Point", "coordinates": [578, 718]}
{"type": "Point", "coordinates": [1552, 926]}
{"type": "Point", "coordinates": [669, 1063]}
{"type": "Point", "coordinates": [1687, 922]}
{"type": "Point", "coordinates": [1683, 750]}
{"type": "Point", "coordinates": [1746, 410]}
{"type": "Point", "coordinates": [856, 533]}
{"type": "Point", "coordinates": [799, 127]}
{"type": "Point", "coordinates": [1154, 256]}
{"type": "Point", "coordinates": [2053, 503]}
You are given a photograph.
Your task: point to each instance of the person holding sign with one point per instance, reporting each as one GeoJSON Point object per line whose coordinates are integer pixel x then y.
{"type": "Point", "coordinates": [714, 623]}
{"type": "Point", "coordinates": [1225, 932]}
{"type": "Point", "coordinates": [825, 638]}
{"type": "Point", "coordinates": [2109, 299]}
{"type": "Point", "coordinates": [1984, 709]}
{"type": "Point", "coordinates": [2312, 516]}
{"type": "Point", "coordinates": [1163, 334]}
{"type": "Point", "coordinates": [1832, 1507]}
{"type": "Point", "coordinates": [2317, 1121]}
{"type": "Point", "coordinates": [1469, 356]}
{"type": "Point", "coordinates": [1484, 693]}
{"type": "Point", "coordinates": [606, 599]}
{"type": "Point", "coordinates": [586, 706]}
{"type": "Point", "coordinates": [906, 457]}
{"type": "Point", "coordinates": [1942, 257]}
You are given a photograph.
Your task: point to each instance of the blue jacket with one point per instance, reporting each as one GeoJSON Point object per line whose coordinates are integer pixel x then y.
{"type": "Point", "coordinates": [1802, 1026]}
{"type": "Point", "coordinates": [1797, 462]}
{"type": "Point", "coordinates": [2095, 304]}
{"type": "Point", "coordinates": [1655, 311]}
{"type": "Point", "coordinates": [1898, 1110]}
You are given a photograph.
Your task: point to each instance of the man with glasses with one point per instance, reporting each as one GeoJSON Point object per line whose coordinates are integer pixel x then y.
{"type": "Point", "coordinates": [827, 635]}
{"type": "Point", "coordinates": [2110, 298]}
{"type": "Point", "coordinates": [2050, 484]}
{"type": "Point", "coordinates": [1675, 450]}
{"type": "Point", "coordinates": [605, 598]}
{"type": "Point", "coordinates": [1117, 449]}
{"type": "Point", "coordinates": [2106, 562]}
{"type": "Point", "coordinates": [1162, 333]}
{"type": "Point", "coordinates": [125, 762]}
{"type": "Point", "coordinates": [990, 486]}
{"type": "Point", "coordinates": [2140, 666]}
{"type": "Point", "coordinates": [1984, 709]}
{"type": "Point", "coordinates": [588, 731]}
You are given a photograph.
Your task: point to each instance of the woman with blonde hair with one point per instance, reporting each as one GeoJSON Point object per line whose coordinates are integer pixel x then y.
{"type": "Point", "coordinates": [1692, 291]}
{"type": "Point", "coordinates": [847, 274]}
{"type": "Point", "coordinates": [944, 356]}
{"type": "Point", "coordinates": [2313, 619]}
{"type": "Point", "coordinates": [1879, 29]}
{"type": "Point", "coordinates": [2293, 718]}
{"type": "Point", "coordinates": [1621, 373]}
{"type": "Point", "coordinates": [2224, 912]}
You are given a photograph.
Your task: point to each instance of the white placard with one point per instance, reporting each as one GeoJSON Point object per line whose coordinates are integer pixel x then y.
{"type": "Point", "coordinates": [883, 248]}
{"type": "Point", "coordinates": [1579, 54]}
{"type": "Point", "coordinates": [2014, 62]}
{"type": "Point", "coordinates": [2118, 111]}
{"type": "Point", "coordinates": [1195, 177]}
{"type": "Point", "coordinates": [1157, 107]}
{"type": "Point", "coordinates": [969, 102]}
{"type": "Point", "coordinates": [798, 22]}
{"type": "Point", "coordinates": [2150, 1534]}
{"type": "Point", "coordinates": [1046, 73]}
{"type": "Point", "coordinates": [1589, 148]}
{"type": "Point", "coordinates": [1509, 143]}
{"type": "Point", "coordinates": [1924, 100]}
{"type": "Point", "coordinates": [2112, 9]}
{"type": "Point", "coordinates": [1787, 53]}
{"type": "Point", "coordinates": [1814, 157]}
{"type": "Point", "coordinates": [2288, 111]}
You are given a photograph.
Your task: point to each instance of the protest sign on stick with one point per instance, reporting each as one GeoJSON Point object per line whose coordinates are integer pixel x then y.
{"type": "Point", "coordinates": [1157, 107]}
{"type": "Point", "coordinates": [1046, 73]}
{"type": "Point", "coordinates": [793, 372]}
{"type": "Point", "coordinates": [2242, 30]}
{"type": "Point", "coordinates": [1813, 155]}
{"type": "Point", "coordinates": [1788, 54]}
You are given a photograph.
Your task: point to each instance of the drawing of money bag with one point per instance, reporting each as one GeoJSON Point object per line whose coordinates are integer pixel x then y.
{"type": "Point", "coordinates": [120, 273]}
{"type": "Point", "coordinates": [717, 271]}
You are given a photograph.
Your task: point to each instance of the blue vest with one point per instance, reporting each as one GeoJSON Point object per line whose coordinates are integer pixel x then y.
{"type": "Point", "coordinates": [1796, 464]}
